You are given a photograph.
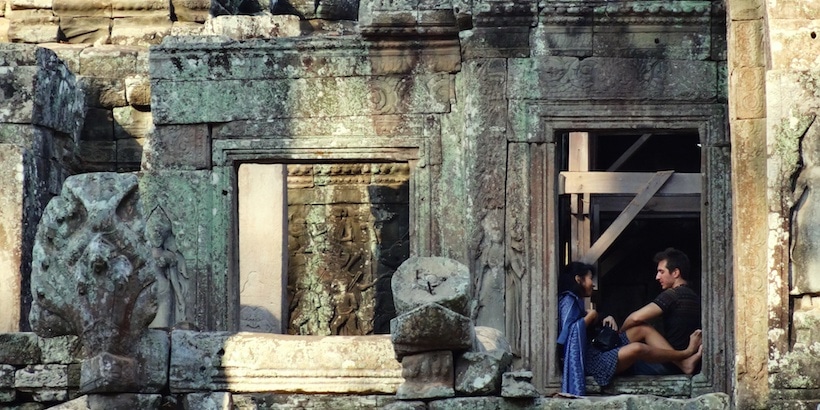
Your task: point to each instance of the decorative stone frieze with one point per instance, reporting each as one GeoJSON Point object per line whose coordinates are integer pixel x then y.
{"type": "Point", "coordinates": [427, 375]}
{"type": "Point", "coordinates": [252, 362]}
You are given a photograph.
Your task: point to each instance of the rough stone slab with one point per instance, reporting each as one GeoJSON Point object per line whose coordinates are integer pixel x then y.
{"type": "Point", "coordinates": [41, 376]}
{"type": "Point", "coordinates": [141, 8]}
{"type": "Point", "coordinates": [429, 328]}
{"type": "Point", "coordinates": [221, 58]}
{"type": "Point", "coordinates": [17, 84]}
{"type": "Point", "coordinates": [116, 401]}
{"type": "Point", "coordinates": [260, 401]}
{"type": "Point", "coordinates": [59, 99]}
{"type": "Point", "coordinates": [108, 61]}
{"type": "Point", "coordinates": [178, 147]}
{"type": "Point", "coordinates": [86, 30]}
{"type": "Point", "coordinates": [240, 27]}
{"type": "Point", "coordinates": [14, 347]}
{"type": "Point", "coordinates": [426, 376]}
{"type": "Point", "coordinates": [60, 350]}
{"type": "Point", "coordinates": [82, 8]}
{"type": "Point", "coordinates": [7, 376]}
{"type": "Point", "coordinates": [518, 385]}
{"type": "Point", "coordinates": [250, 362]}
{"type": "Point", "coordinates": [177, 102]}
{"type": "Point", "coordinates": [131, 123]}
{"type": "Point", "coordinates": [138, 90]}
{"type": "Point", "coordinates": [593, 78]}
{"type": "Point", "coordinates": [140, 31]}
{"type": "Point", "coordinates": [211, 401]}
{"type": "Point", "coordinates": [102, 92]}
{"type": "Point", "coordinates": [667, 386]}
{"type": "Point", "coordinates": [19, 348]}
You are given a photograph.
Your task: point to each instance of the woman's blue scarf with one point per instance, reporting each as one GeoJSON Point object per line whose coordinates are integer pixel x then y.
{"type": "Point", "coordinates": [572, 334]}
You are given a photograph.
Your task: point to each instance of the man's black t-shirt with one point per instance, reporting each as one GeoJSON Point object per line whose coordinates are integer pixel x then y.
{"type": "Point", "coordinates": [681, 314]}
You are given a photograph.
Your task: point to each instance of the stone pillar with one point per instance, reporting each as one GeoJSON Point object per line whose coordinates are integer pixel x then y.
{"type": "Point", "coordinates": [263, 247]}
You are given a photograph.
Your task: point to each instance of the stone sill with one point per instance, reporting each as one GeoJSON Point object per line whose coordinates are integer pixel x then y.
{"type": "Point", "coordinates": [664, 386]}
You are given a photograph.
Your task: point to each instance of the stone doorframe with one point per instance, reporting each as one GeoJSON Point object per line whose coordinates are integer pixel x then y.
{"type": "Point", "coordinates": [532, 202]}
{"type": "Point", "coordinates": [228, 154]}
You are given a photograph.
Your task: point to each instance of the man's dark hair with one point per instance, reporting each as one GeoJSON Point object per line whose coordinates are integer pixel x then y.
{"type": "Point", "coordinates": [566, 279]}
{"type": "Point", "coordinates": [675, 259]}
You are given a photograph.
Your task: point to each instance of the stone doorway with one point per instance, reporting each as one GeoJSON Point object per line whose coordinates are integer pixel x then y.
{"type": "Point", "coordinates": [343, 233]}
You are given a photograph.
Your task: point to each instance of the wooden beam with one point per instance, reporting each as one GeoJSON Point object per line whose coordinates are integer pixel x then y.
{"type": "Point", "coordinates": [625, 183]}
{"type": "Point", "coordinates": [659, 204]}
{"type": "Point", "coordinates": [628, 153]}
{"type": "Point", "coordinates": [578, 161]}
{"type": "Point", "coordinates": [622, 221]}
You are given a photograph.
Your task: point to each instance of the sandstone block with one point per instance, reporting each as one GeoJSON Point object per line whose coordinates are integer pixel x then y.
{"type": "Point", "coordinates": [59, 101]}
{"type": "Point", "coordinates": [178, 147]}
{"type": "Point", "coordinates": [428, 328]}
{"type": "Point", "coordinates": [191, 10]}
{"type": "Point", "coordinates": [140, 31]}
{"type": "Point", "coordinates": [7, 395]}
{"type": "Point", "coordinates": [186, 28]}
{"type": "Point", "coordinates": [240, 27]}
{"type": "Point", "coordinates": [253, 362]}
{"type": "Point", "coordinates": [86, 30]}
{"type": "Point", "coordinates": [49, 376]}
{"type": "Point", "coordinates": [102, 92]}
{"type": "Point", "coordinates": [138, 90]}
{"type": "Point", "coordinates": [108, 373]}
{"type": "Point", "coordinates": [562, 40]}
{"type": "Point", "coordinates": [82, 8]}
{"type": "Point", "coordinates": [14, 347]}
{"type": "Point", "coordinates": [49, 395]}
{"type": "Point", "coordinates": [108, 61]}
{"type": "Point", "coordinates": [141, 8]}
{"type": "Point", "coordinates": [518, 384]}
{"type": "Point", "coordinates": [19, 348]}
{"type": "Point", "coordinates": [129, 152]}
{"type": "Point", "coordinates": [18, 104]}
{"type": "Point", "coordinates": [112, 401]}
{"type": "Point", "coordinates": [68, 54]}
{"type": "Point", "coordinates": [427, 375]}
{"type": "Point", "coordinates": [423, 280]}
{"type": "Point", "coordinates": [793, 47]}
{"type": "Point", "coordinates": [489, 339]}
{"type": "Point", "coordinates": [479, 374]}
{"type": "Point", "coordinates": [33, 26]}
{"type": "Point", "coordinates": [214, 401]}
{"type": "Point", "coordinates": [30, 4]}
{"type": "Point", "coordinates": [60, 349]}
{"type": "Point", "coordinates": [131, 123]}
{"type": "Point", "coordinates": [4, 30]}
{"type": "Point", "coordinates": [101, 152]}
{"type": "Point", "coordinates": [99, 125]}
{"type": "Point", "coordinates": [7, 376]}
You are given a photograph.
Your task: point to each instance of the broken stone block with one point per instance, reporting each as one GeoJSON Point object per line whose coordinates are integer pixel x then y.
{"type": "Point", "coordinates": [427, 375]}
{"type": "Point", "coordinates": [479, 373]}
{"type": "Point", "coordinates": [92, 269]}
{"type": "Point", "coordinates": [518, 385]}
{"type": "Point", "coordinates": [19, 348]}
{"type": "Point", "coordinates": [490, 338]}
{"type": "Point", "coordinates": [211, 401]}
{"type": "Point", "coordinates": [429, 328]}
{"type": "Point", "coordinates": [422, 280]}
{"type": "Point", "coordinates": [108, 373]}
{"type": "Point", "coordinates": [51, 379]}
{"type": "Point", "coordinates": [60, 349]}
{"type": "Point", "coordinates": [112, 401]}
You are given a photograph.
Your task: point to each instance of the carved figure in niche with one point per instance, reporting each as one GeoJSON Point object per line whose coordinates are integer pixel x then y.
{"type": "Point", "coordinates": [92, 270]}
{"type": "Point", "coordinates": [174, 283]}
{"type": "Point", "coordinates": [805, 216]}
{"type": "Point", "coordinates": [345, 322]}
{"type": "Point", "coordinates": [516, 270]}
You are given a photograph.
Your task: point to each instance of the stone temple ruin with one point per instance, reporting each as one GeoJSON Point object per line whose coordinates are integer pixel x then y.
{"type": "Point", "coordinates": [260, 204]}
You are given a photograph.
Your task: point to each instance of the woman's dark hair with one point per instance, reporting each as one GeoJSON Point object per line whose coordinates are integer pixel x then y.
{"type": "Point", "coordinates": [566, 279]}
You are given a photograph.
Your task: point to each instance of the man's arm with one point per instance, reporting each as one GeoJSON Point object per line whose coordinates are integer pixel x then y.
{"type": "Point", "coordinates": [642, 315]}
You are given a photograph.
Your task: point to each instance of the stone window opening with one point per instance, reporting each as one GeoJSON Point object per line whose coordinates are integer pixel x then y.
{"type": "Point", "coordinates": [329, 236]}
{"type": "Point", "coordinates": [625, 195]}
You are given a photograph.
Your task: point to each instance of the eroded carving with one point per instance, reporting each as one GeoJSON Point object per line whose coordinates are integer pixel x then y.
{"type": "Point", "coordinates": [174, 282]}
{"type": "Point", "coordinates": [93, 271]}
{"type": "Point", "coordinates": [805, 214]}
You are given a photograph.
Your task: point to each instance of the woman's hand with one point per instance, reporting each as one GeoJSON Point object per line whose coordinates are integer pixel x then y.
{"type": "Point", "coordinates": [610, 321]}
{"type": "Point", "coordinates": [591, 317]}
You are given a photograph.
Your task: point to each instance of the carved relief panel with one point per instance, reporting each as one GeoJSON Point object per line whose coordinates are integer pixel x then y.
{"type": "Point", "coordinates": [348, 231]}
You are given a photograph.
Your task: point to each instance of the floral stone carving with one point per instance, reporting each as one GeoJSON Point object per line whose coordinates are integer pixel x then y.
{"type": "Point", "coordinates": [93, 275]}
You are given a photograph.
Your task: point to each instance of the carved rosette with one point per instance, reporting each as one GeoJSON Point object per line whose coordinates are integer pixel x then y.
{"type": "Point", "coordinates": [93, 272]}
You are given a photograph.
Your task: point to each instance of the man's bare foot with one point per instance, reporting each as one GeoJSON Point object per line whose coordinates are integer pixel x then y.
{"type": "Point", "coordinates": [689, 364]}
{"type": "Point", "coordinates": [695, 341]}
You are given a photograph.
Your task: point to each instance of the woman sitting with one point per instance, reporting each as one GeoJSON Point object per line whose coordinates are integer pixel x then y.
{"type": "Point", "coordinates": [583, 359]}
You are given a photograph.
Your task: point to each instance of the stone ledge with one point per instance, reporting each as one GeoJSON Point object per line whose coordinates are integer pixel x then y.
{"type": "Point", "coordinates": [664, 386]}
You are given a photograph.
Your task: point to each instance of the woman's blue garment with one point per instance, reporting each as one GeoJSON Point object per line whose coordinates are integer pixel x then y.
{"type": "Point", "coordinates": [572, 334]}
